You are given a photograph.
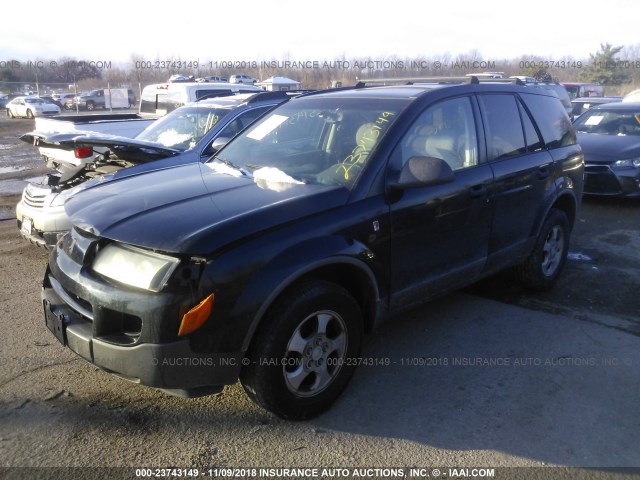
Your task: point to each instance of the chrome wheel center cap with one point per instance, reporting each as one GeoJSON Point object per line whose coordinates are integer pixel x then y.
{"type": "Point", "coordinates": [316, 353]}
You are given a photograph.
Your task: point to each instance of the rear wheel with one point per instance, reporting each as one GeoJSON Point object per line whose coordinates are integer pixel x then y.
{"type": "Point", "coordinates": [90, 106]}
{"type": "Point", "coordinates": [303, 355]}
{"type": "Point", "coordinates": [10, 113]}
{"type": "Point", "coordinates": [542, 268]}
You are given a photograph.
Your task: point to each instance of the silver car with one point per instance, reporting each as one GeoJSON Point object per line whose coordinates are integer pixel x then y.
{"type": "Point", "coordinates": [30, 107]}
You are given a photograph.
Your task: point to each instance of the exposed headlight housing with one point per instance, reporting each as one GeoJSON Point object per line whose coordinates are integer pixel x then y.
{"type": "Point", "coordinates": [632, 162]}
{"type": "Point", "coordinates": [135, 266]}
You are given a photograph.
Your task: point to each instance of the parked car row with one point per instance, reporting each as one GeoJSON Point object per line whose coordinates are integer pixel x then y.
{"type": "Point", "coordinates": [267, 257]}
{"type": "Point", "coordinates": [102, 98]}
{"type": "Point", "coordinates": [239, 78]}
{"type": "Point", "coordinates": [25, 106]}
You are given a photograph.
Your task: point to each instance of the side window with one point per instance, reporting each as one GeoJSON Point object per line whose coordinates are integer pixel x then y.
{"type": "Point", "coordinates": [445, 130]}
{"type": "Point", "coordinates": [533, 140]}
{"type": "Point", "coordinates": [552, 120]}
{"type": "Point", "coordinates": [503, 128]}
{"type": "Point", "coordinates": [241, 121]}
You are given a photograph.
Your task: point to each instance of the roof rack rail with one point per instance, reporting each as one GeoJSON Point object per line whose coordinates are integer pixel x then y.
{"type": "Point", "coordinates": [515, 81]}
{"type": "Point", "coordinates": [328, 90]}
{"type": "Point", "coordinates": [438, 80]}
{"type": "Point", "coordinates": [411, 80]}
{"type": "Point", "coordinates": [259, 96]}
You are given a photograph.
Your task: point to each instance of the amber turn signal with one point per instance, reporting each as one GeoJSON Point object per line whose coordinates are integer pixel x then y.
{"type": "Point", "coordinates": [195, 318]}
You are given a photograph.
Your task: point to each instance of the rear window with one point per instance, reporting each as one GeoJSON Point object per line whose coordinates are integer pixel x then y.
{"type": "Point", "coordinates": [552, 120]}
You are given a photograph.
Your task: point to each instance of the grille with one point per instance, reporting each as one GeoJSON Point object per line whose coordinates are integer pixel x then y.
{"type": "Point", "coordinates": [34, 197]}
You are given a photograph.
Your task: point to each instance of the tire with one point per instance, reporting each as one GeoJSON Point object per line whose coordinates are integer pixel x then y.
{"type": "Point", "coordinates": [90, 106]}
{"type": "Point", "coordinates": [29, 113]}
{"type": "Point", "coordinates": [10, 114]}
{"type": "Point", "coordinates": [542, 268]}
{"type": "Point", "coordinates": [315, 328]}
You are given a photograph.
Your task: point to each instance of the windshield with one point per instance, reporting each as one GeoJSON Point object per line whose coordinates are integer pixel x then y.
{"type": "Point", "coordinates": [314, 140]}
{"type": "Point", "coordinates": [34, 100]}
{"type": "Point", "coordinates": [609, 122]}
{"type": "Point", "coordinates": [183, 128]}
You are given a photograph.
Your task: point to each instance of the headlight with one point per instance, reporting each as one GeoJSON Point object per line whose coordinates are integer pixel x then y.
{"type": "Point", "coordinates": [135, 266]}
{"type": "Point", "coordinates": [633, 162]}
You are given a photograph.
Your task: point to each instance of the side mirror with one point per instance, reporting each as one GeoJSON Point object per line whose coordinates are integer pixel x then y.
{"type": "Point", "coordinates": [423, 172]}
{"type": "Point", "coordinates": [216, 145]}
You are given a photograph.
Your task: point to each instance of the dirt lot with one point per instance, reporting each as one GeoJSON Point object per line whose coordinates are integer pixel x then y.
{"type": "Point", "coordinates": [561, 391]}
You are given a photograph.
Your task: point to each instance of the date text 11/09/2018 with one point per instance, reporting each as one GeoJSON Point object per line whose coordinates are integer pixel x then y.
{"type": "Point", "coordinates": [314, 472]}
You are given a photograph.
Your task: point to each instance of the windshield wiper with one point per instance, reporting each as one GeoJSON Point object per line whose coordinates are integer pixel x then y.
{"type": "Point", "coordinates": [244, 171]}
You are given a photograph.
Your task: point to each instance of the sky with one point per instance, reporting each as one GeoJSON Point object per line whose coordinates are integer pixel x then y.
{"type": "Point", "coordinates": [247, 30]}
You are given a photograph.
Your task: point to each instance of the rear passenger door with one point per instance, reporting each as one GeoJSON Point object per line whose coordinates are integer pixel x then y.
{"type": "Point", "coordinates": [523, 174]}
{"type": "Point", "coordinates": [440, 233]}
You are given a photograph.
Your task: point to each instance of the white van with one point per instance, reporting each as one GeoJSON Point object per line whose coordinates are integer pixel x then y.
{"type": "Point", "coordinates": [161, 98]}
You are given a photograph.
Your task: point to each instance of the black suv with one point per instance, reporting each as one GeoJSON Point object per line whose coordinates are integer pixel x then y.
{"type": "Point", "coordinates": [334, 211]}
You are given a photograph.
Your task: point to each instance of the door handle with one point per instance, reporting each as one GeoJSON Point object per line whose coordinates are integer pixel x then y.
{"type": "Point", "coordinates": [477, 191]}
{"type": "Point", "coordinates": [543, 173]}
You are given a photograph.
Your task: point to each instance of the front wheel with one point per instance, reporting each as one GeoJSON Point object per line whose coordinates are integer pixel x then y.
{"type": "Point", "coordinates": [542, 268]}
{"type": "Point", "coordinates": [90, 106]}
{"type": "Point", "coordinates": [305, 352]}
{"type": "Point", "coordinates": [10, 114]}
{"type": "Point", "coordinates": [29, 113]}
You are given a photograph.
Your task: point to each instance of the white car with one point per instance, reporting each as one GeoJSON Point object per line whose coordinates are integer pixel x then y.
{"type": "Point", "coordinates": [242, 79]}
{"type": "Point", "coordinates": [30, 107]}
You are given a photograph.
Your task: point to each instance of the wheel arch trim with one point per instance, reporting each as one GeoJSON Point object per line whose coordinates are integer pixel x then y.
{"type": "Point", "coordinates": [373, 298]}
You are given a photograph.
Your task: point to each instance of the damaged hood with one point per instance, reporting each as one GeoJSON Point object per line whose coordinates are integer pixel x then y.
{"type": "Point", "coordinates": [195, 208]}
{"type": "Point", "coordinates": [71, 140]}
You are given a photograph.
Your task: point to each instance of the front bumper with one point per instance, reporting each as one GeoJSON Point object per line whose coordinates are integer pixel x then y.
{"type": "Point", "coordinates": [603, 180]}
{"type": "Point", "coordinates": [46, 113]}
{"type": "Point", "coordinates": [130, 333]}
{"type": "Point", "coordinates": [40, 223]}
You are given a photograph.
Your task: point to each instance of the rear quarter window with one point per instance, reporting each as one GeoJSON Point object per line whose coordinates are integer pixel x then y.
{"type": "Point", "coordinates": [505, 137]}
{"type": "Point", "coordinates": [552, 120]}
